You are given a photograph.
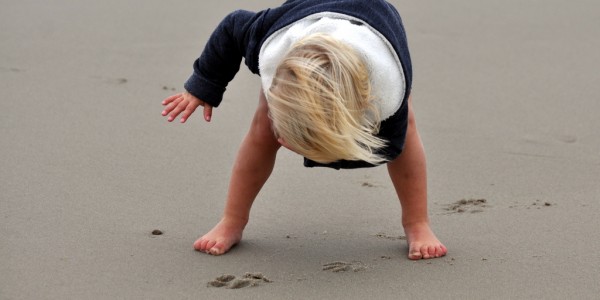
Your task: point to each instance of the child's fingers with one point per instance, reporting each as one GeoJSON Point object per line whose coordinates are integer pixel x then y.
{"type": "Point", "coordinates": [171, 103]}
{"type": "Point", "coordinates": [189, 110]}
{"type": "Point", "coordinates": [184, 104]}
{"type": "Point", "coordinates": [177, 110]}
{"type": "Point", "coordinates": [207, 112]}
{"type": "Point", "coordinates": [171, 106]}
{"type": "Point", "coordinates": [170, 99]}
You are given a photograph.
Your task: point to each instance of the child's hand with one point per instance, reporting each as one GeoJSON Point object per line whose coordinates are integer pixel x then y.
{"type": "Point", "coordinates": [186, 103]}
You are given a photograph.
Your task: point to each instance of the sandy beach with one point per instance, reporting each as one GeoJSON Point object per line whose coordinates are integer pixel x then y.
{"type": "Point", "coordinates": [506, 94]}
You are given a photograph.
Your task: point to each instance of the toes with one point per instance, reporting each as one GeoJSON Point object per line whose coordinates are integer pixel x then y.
{"type": "Point", "coordinates": [443, 250]}
{"type": "Point", "coordinates": [415, 256]}
{"type": "Point", "coordinates": [203, 245]}
{"type": "Point", "coordinates": [213, 246]}
{"type": "Point", "coordinates": [209, 246]}
{"type": "Point", "coordinates": [433, 251]}
{"type": "Point", "coordinates": [415, 253]}
{"type": "Point", "coordinates": [198, 244]}
{"type": "Point", "coordinates": [425, 251]}
{"type": "Point", "coordinates": [439, 252]}
{"type": "Point", "coordinates": [217, 249]}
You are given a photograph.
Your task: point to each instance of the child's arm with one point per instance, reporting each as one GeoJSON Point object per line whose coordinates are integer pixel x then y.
{"type": "Point", "coordinates": [186, 103]}
{"type": "Point", "coordinates": [217, 65]}
{"type": "Point", "coordinates": [236, 37]}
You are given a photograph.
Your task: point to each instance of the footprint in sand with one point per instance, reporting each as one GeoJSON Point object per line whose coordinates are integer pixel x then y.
{"type": "Point", "coordinates": [231, 282]}
{"type": "Point", "coordinates": [385, 236]}
{"type": "Point", "coordinates": [467, 205]}
{"type": "Point", "coordinates": [368, 184]}
{"type": "Point", "coordinates": [342, 266]}
{"type": "Point", "coordinates": [539, 205]}
{"type": "Point", "coordinates": [111, 80]}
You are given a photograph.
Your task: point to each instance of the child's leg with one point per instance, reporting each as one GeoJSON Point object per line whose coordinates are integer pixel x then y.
{"type": "Point", "coordinates": [409, 176]}
{"type": "Point", "coordinates": [252, 168]}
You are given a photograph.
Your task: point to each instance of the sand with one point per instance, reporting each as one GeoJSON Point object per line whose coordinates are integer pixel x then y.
{"type": "Point", "coordinates": [507, 99]}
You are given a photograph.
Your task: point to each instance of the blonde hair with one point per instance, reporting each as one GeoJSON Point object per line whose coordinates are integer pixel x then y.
{"type": "Point", "coordinates": [320, 101]}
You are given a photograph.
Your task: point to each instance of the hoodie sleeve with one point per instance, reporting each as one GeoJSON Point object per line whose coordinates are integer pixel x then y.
{"type": "Point", "coordinates": [235, 38]}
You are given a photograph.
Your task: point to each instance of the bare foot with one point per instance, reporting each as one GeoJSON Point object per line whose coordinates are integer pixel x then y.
{"type": "Point", "coordinates": [221, 238]}
{"type": "Point", "coordinates": [422, 242]}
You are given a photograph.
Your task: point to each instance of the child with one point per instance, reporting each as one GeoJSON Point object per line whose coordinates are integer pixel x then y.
{"type": "Point", "coordinates": [336, 78]}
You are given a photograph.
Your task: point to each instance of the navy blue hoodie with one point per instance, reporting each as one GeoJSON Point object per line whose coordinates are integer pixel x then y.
{"type": "Point", "coordinates": [242, 33]}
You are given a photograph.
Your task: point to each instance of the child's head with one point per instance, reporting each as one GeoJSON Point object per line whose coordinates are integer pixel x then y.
{"type": "Point", "coordinates": [320, 102]}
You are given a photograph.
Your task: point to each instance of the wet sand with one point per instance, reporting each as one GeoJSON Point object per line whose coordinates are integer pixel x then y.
{"type": "Point", "coordinates": [102, 198]}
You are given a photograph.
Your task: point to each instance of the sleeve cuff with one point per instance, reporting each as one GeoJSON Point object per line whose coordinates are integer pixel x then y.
{"type": "Point", "coordinates": [204, 90]}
